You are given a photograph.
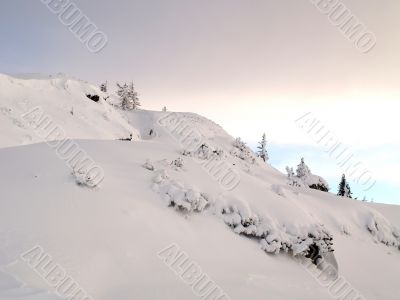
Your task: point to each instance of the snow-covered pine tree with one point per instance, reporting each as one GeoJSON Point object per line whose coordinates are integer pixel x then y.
{"type": "Point", "coordinates": [344, 188]}
{"type": "Point", "coordinates": [303, 171]}
{"type": "Point", "coordinates": [134, 97]}
{"type": "Point", "coordinates": [304, 175]}
{"type": "Point", "coordinates": [262, 149]}
{"type": "Point", "coordinates": [128, 95]}
{"type": "Point", "coordinates": [124, 95]}
{"type": "Point", "coordinates": [103, 87]}
{"type": "Point", "coordinates": [293, 180]}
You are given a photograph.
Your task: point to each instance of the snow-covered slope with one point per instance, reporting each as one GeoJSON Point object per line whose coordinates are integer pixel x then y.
{"type": "Point", "coordinates": [64, 100]}
{"type": "Point", "coordinates": [248, 231]}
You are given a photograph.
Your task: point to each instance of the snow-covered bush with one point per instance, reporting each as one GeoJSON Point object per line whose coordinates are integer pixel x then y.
{"type": "Point", "coordinates": [183, 198]}
{"type": "Point", "coordinates": [186, 153]}
{"type": "Point", "coordinates": [219, 153]}
{"type": "Point", "coordinates": [304, 177]}
{"type": "Point", "coordinates": [382, 230]}
{"type": "Point", "coordinates": [178, 163]}
{"type": "Point", "coordinates": [161, 177]}
{"type": "Point", "coordinates": [317, 183]}
{"type": "Point", "coordinates": [274, 237]}
{"type": "Point", "coordinates": [345, 229]}
{"type": "Point", "coordinates": [205, 152]}
{"type": "Point", "coordinates": [82, 178]}
{"type": "Point", "coordinates": [149, 165]}
{"type": "Point", "coordinates": [293, 180]}
{"type": "Point", "coordinates": [243, 152]}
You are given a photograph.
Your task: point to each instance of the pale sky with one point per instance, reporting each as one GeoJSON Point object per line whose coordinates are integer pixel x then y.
{"type": "Point", "coordinates": [251, 66]}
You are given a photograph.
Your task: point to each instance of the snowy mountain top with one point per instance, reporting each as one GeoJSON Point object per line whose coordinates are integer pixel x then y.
{"type": "Point", "coordinates": [39, 76]}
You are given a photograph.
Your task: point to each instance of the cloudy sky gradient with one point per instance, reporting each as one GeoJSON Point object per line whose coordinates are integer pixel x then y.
{"type": "Point", "coordinates": [251, 66]}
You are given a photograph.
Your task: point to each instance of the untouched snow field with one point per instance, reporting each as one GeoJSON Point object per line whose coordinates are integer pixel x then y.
{"type": "Point", "coordinates": [249, 232]}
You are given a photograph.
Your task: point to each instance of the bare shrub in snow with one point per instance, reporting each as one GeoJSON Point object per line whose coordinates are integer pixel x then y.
{"type": "Point", "coordinates": [186, 153]}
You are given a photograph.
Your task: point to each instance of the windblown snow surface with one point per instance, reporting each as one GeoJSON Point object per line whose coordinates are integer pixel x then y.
{"type": "Point", "coordinates": [251, 239]}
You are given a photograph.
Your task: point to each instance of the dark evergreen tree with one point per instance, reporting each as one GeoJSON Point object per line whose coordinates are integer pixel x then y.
{"type": "Point", "coordinates": [344, 188]}
{"type": "Point", "coordinates": [103, 87]}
